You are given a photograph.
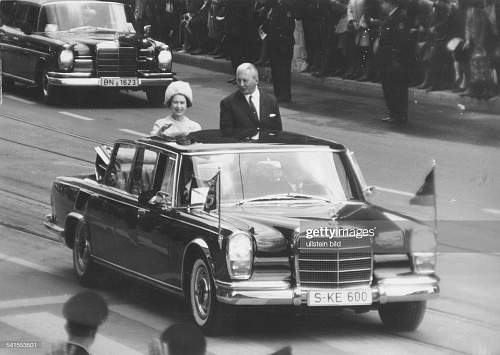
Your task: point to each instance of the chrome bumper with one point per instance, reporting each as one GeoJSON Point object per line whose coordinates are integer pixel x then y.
{"type": "Point", "coordinates": [85, 79]}
{"type": "Point", "coordinates": [52, 226]}
{"type": "Point", "coordinates": [398, 289]}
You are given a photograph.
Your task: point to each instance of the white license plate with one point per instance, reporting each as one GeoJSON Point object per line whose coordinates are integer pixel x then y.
{"type": "Point", "coordinates": [113, 82]}
{"type": "Point", "coordinates": [341, 297]}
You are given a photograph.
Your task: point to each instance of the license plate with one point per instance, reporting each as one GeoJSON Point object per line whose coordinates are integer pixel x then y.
{"type": "Point", "coordinates": [112, 82]}
{"type": "Point", "coordinates": [341, 297]}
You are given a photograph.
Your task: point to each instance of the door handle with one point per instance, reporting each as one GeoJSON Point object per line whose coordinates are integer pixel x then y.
{"type": "Point", "coordinates": [141, 212]}
{"type": "Point", "coordinates": [15, 38]}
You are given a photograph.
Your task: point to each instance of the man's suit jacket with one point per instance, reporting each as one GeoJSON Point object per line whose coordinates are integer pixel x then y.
{"type": "Point", "coordinates": [235, 113]}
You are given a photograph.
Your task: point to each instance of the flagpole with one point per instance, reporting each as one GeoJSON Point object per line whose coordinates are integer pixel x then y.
{"type": "Point", "coordinates": [218, 200]}
{"type": "Point", "coordinates": [435, 195]}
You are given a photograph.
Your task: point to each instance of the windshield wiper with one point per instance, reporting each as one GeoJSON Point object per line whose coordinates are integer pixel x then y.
{"type": "Point", "coordinates": [283, 196]}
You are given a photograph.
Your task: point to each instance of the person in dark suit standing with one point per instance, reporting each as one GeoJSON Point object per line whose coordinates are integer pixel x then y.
{"type": "Point", "coordinates": [249, 108]}
{"type": "Point", "coordinates": [281, 41]}
{"type": "Point", "coordinates": [394, 52]}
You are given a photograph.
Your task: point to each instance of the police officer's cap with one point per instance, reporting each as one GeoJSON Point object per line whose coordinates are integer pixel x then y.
{"type": "Point", "coordinates": [86, 308]}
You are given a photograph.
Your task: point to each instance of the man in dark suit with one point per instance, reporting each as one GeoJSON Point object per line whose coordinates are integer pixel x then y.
{"type": "Point", "coordinates": [249, 108]}
{"type": "Point", "coordinates": [394, 52]}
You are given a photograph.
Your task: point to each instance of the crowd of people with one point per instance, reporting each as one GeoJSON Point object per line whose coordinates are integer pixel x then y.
{"type": "Point", "coordinates": [451, 44]}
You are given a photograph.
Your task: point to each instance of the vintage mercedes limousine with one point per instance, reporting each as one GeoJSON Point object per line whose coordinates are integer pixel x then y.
{"type": "Point", "coordinates": [235, 218]}
{"type": "Point", "coordinates": [54, 45]}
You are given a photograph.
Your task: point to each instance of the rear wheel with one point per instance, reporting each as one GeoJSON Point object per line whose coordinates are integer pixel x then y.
{"type": "Point", "coordinates": [85, 268]}
{"type": "Point", "coordinates": [156, 96]}
{"type": "Point", "coordinates": [48, 93]}
{"type": "Point", "coordinates": [402, 316]}
{"type": "Point", "coordinates": [207, 312]}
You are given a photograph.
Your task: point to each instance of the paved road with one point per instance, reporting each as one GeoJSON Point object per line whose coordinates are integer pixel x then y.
{"type": "Point", "coordinates": [39, 142]}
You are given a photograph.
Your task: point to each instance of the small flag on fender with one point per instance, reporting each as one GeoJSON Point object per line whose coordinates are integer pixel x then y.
{"type": "Point", "coordinates": [426, 194]}
{"type": "Point", "coordinates": [213, 186]}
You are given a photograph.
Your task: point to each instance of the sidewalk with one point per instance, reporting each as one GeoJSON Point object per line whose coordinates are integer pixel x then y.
{"type": "Point", "coordinates": [437, 98]}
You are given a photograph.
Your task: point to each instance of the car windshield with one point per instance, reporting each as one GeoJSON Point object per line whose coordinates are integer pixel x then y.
{"type": "Point", "coordinates": [83, 15]}
{"type": "Point", "coordinates": [268, 176]}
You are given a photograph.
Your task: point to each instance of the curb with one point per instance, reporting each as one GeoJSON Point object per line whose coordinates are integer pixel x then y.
{"type": "Point", "coordinates": [435, 98]}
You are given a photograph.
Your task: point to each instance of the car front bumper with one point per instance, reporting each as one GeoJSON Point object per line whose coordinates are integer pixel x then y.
{"type": "Point", "coordinates": [405, 288]}
{"type": "Point", "coordinates": [146, 80]}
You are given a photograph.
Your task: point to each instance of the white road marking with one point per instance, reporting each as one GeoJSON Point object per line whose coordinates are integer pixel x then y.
{"type": "Point", "coordinates": [36, 301]}
{"type": "Point", "coordinates": [20, 100]}
{"type": "Point", "coordinates": [491, 210]}
{"type": "Point", "coordinates": [49, 327]}
{"type": "Point", "coordinates": [404, 193]}
{"type": "Point", "coordinates": [29, 264]}
{"type": "Point", "coordinates": [133, 132]}
{"type": "Point", "coordinates": [74, 115]}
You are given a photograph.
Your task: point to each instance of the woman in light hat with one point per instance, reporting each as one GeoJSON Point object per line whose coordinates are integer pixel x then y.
{"type": "Point", "coordinates": [178, 98]}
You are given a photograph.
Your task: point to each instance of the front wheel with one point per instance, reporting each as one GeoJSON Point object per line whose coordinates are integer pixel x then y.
{"type": "Point", "coordinates": [156, 96]}
{"type": "Point", "coordinates": [83, 264]}
{"type": "Point", "coordinates": [207, 312]}
{"type": "Point", "coordinates": [402, 316]}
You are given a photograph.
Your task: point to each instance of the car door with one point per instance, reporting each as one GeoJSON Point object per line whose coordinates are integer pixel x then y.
{"type": "Point", "coordinates": [35, 47]}
{"type": "Point", "coordinates": [155, 221]}
{"type": "Point", "coordinates": [20, 53]}
{"type": "Point", "coordinates": [110, 206]}
{"type": "Point", "coordinates": [8, 32]}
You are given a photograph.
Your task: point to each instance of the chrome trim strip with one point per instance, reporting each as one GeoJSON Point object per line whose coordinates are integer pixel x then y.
{"type": "Point", "coordinates": [75, 75]}
{"type": "Point", "coordinates": [259, 150]}
{"type": "Point", "coordinates": [24, 49]}
{"type": "Point", "coordinates": [94, 82]}
{"type": "Point", "coordinates": [31, 82]}
{"type": "Point", "coordinates": [330, 282]}
{"type": "Point", "coordinates": [135, 274]}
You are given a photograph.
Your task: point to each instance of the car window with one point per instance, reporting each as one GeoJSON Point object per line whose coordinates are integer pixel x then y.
{"type": "Point", "coordinates": [25, 16]}
{"type": "Point", "coordinates": [7, 12]}
{"type": "Point", "coordinates": [167, 184]}
{"type": "Point", "coordinates": [120, 167]}
{"type": "Point", "coordinates": [143, 172]}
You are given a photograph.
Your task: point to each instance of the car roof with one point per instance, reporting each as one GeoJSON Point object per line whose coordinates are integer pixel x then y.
{"type": "Point", "coordinates": [43, 2]}
{"type": "Point", "coordinates": [218, 141]}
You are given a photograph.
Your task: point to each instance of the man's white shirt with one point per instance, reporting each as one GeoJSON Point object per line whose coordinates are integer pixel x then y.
{"type": "Point", "coordinates": [255, 100]}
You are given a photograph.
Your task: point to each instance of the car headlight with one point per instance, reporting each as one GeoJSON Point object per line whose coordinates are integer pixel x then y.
{"type": "Point", "coordinates": [66, 59]}
{"type": "Point", "coordinates": [239, 256]}
{"type": "Point", "coordinates": [423, 251]}
{"type": "Point", "coordinates": [164, 60]}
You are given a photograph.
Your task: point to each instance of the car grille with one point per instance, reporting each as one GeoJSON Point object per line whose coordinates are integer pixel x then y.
{"type": "Point", "coordinates": [326, 267]}
{"type": "Point", "coordinates": [116, 62]}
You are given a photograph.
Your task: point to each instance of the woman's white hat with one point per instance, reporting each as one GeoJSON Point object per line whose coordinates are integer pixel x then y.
{"type": "Point", "coordinates": [179, 87]}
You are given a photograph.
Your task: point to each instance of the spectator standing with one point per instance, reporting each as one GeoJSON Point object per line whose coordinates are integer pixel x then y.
{"type": "Point", "coordinates": [236, 24]}
{"type": "Point", "coordinates": [310, 21]}
{"type": "Point", "coordinates": [355, 13]}
{"type": "Point", "coordinates": [341, 34]}
{"type": "Point", "coordinates": [394, 52]}
{"type": "Point", "coordinates": [281, 41]}
{"type": "Point", "coordinates": [84, 313]}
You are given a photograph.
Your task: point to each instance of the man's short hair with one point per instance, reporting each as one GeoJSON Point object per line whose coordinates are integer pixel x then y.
{"type": "Point", "coordinates": [250, 67]}
{"type": "Point", "coordinates": [80, 330]}
{"type": "Point", "coordinates": [184, 339]}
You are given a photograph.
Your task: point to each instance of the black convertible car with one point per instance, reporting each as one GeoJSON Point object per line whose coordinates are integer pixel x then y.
{"type": "Point", "coordinates": [58, 44]}
{"type": "Point", "coordinates": [239, 218]}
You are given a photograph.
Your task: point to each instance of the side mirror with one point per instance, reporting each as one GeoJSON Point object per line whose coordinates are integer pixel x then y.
{"type": "Point", "coordinates": [147, 31]}
{"type": "Point", "coordinates": [369, 191]}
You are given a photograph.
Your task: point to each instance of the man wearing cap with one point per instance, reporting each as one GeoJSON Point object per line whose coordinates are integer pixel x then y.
{"type": "Point", "coordinates": [179, 339]}
{"type": "Point", "coordinates": [84, 313]}
{"type": "Point", "coordinates": [249, 108]}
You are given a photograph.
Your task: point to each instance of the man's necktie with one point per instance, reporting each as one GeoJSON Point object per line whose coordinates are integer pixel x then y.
{"type": "Point", "coordinates": [253, 110]}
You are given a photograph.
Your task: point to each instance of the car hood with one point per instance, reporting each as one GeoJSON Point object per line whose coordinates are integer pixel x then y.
{"type": "Point", "coordinates": [274, 226]}
{"type": "Point", "coordinates": [91, 38]}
